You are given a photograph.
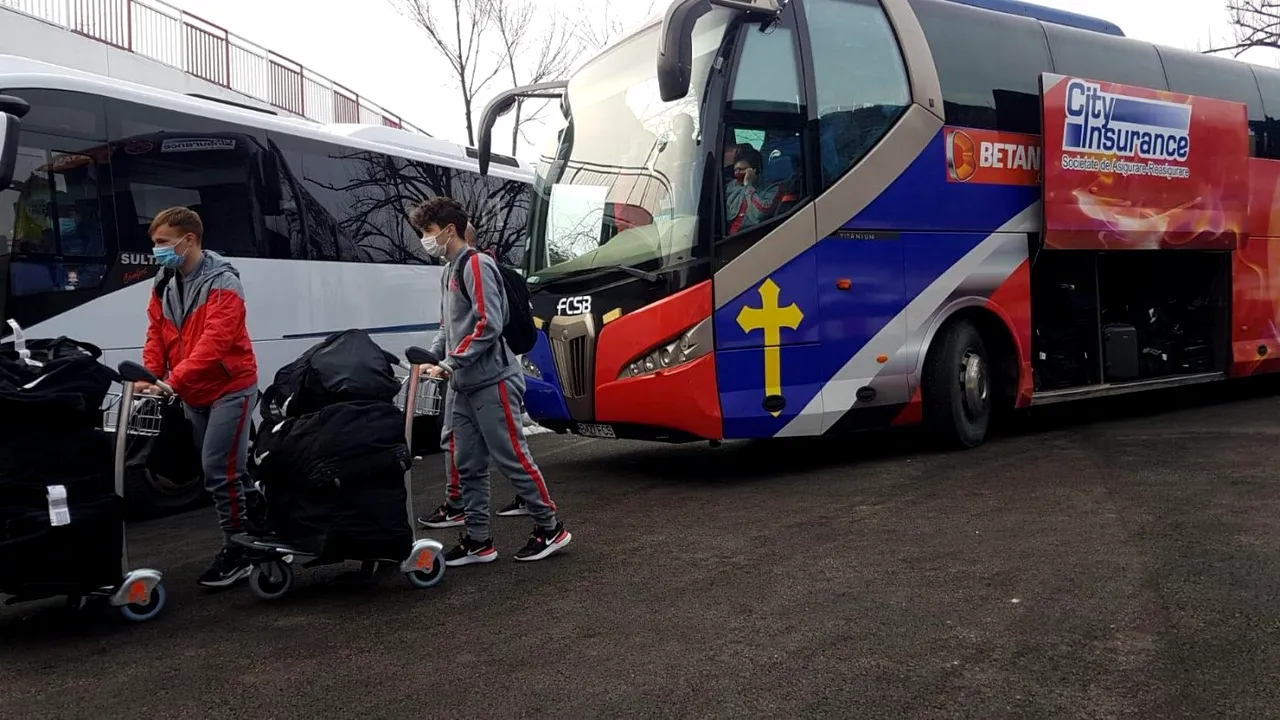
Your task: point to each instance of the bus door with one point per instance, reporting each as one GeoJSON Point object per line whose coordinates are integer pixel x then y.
{"type": "Point", "coordinates": [56, 219]}
{"type": "Point", "coordinates": [769, 354]}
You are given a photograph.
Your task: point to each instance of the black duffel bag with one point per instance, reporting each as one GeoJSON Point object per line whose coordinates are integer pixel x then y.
{"type": "Point", "coordinates": [347, 366]}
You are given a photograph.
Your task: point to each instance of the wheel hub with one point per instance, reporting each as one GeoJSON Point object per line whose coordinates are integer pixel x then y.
{"type": "Point", "coordinates": [973, 384]}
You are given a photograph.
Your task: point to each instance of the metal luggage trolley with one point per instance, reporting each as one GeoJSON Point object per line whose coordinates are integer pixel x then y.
{"type": "Point", "coordinates": [140, 596]}
{"type": "Point", "coordinates": [272, 575]}
{"type": "Point", "coordinates": [428, 396]}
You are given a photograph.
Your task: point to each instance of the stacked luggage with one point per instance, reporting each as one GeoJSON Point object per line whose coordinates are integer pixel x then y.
{"type": "Point", "coordinates": [1061, 342]}
{"type": "Point", "coordinates": [61, 510]}
{"type": "Point", "coordinates": [330, 455]}
{"type": "Point", "coordinates": [53, 455]}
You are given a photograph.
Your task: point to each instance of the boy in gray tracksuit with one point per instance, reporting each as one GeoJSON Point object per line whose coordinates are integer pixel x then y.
{"type": "Point", "coordinates": [450, 513]}
{"type": "Point", "coordinates": [486, 385]}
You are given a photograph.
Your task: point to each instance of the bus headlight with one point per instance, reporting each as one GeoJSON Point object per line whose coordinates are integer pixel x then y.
{"type": "Point", "coordinates": [529, 368]}
{"type": "Point", "coordinates": [692, 344]}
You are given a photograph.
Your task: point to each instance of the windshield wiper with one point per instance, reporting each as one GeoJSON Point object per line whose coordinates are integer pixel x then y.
{"type": "Point", "coordinates": [600, 270]}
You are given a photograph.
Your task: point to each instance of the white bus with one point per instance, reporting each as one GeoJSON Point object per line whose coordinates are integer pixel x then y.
{"type": "Point", "coordinates": [314, 217]}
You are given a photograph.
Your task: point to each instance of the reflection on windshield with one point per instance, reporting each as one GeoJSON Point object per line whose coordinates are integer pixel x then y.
{"type": "Point", "coordinates": [628, 192]}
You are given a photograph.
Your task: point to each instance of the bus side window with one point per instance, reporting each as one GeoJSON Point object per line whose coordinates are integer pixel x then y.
{"type": "Point", "coordinates": [860, 78]}
{"type": "Point", "coordinates": [163, 158]}
{"type": "Point", "coordinates": [764, 179]}
{"type": "Point", "coordinates": [989, 65]}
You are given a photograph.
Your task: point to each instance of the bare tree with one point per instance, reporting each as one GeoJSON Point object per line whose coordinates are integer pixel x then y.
{"type": "Point", "coordinates": [600, 23]}
{"type": "Point", "coordinates": [1254, 23]}
{"type": "Point", "coordinates": [545, 53]}
{"type": "Point", "coordinates": [456, 33]}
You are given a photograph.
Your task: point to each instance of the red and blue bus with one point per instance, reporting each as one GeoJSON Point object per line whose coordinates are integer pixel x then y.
{"type": "Point", "coordinates": [758, 219]}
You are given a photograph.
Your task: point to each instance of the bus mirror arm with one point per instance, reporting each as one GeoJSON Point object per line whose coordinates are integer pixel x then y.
{"type": "Point", "coordinates": [501, 105]}
{"type": "Point", "coordinates": [675, 49]}
{"type": "Point", "coordinates": [12, 109]}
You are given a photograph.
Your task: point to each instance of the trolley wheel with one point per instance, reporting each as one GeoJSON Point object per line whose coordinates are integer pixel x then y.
{"type": "Point", "coordinates": [423, 579]}
{"type": "Point", "coordinates": [272, 582]}
{"type": "Point", "coordinates": [142, 612]}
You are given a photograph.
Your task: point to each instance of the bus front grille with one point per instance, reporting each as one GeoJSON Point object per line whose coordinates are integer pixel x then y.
{"type": "Point", "coordinates": [573, 345]}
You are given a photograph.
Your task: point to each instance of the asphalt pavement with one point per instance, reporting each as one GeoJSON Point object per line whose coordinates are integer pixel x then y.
{"type": "Point", "coordinates": [1089, 562]}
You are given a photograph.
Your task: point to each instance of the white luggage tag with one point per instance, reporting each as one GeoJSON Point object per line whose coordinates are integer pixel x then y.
{"type": "Point", "coordinates": [20, 345]}
{"type": "Point", "coordinates": [59, 512]}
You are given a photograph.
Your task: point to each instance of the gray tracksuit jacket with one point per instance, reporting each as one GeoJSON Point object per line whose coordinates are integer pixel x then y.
{"type": "Point", "coordinates": [471, 324]}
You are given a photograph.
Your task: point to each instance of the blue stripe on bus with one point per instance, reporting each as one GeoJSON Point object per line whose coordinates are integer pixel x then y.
{"type": "Point", "coordinates": [426, 327]}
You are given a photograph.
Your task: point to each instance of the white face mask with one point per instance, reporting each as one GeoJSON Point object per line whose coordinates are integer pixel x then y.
{"type": "Point", "coordinates": [432, 248]}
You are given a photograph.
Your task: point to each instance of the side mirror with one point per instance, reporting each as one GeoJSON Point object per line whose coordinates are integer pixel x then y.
{"type": "Point", "coordinates": [675, 49]}
{"type": "Point", "coordinates": [11, 111]}
{"type": "Point", "coordinates": [501, 105]}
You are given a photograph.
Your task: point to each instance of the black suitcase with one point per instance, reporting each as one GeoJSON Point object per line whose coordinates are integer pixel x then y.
{"type": "Point", "coordinates": [1197, 358]}
{"type": "Point", "coordinates": [1120, 352]}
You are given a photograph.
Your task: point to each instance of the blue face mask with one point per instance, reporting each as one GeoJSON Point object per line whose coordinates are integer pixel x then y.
{"type": "Point", "coordinates": [167, 257]}
{"type": "Point", "coordinates": [66, 225]}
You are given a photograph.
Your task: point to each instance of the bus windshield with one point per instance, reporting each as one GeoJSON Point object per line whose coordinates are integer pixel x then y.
{"type": "Point", "coordinates": [618, 182]}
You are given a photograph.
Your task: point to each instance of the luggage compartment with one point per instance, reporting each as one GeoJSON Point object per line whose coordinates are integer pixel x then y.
{"type": "Point", "coordinates": [1128, 316]}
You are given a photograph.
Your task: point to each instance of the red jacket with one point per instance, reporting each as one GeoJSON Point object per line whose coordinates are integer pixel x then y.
{"type": "Point", "coordinates": [197, 341]}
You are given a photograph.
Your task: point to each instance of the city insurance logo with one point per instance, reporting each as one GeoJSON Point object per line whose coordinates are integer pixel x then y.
{"type": "Point", "coordinates": [1136, 136]}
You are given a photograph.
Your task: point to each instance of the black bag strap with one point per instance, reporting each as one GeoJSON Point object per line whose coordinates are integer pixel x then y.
{"type": "Point", "coordinates": [163, 280]}
{"type": "Point", "coordinates": [460, 263]}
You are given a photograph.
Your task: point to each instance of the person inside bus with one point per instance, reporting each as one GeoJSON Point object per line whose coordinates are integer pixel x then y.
{"type": "Point", "coordinates": [748, 202]}
{"type": "Point", "coordinates": [80, 236]}
{"type": "Point", "coordinates": [486, 389]}
{"type": "Point", "coordinates": [198, 344]}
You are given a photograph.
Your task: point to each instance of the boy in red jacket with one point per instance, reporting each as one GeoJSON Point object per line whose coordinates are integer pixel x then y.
{"type": "Point", "coordinates": [197, 342]}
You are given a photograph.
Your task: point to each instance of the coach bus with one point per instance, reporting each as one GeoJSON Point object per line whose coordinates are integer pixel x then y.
{"type": "Point", "coordinates": [314, 218]}
{"type": "Point", "coordinates": [760, 219]}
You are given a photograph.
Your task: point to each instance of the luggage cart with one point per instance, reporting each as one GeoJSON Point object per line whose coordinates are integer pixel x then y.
{"type": "Point", "coordinates": [273, 574]}
{"type": "Point", "coordinates": [140, 594]}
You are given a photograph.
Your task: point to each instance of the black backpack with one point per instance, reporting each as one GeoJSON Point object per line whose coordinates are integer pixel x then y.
{"type": "Point", "coordinates": [347, 366]}
{"type": "Point", "coordinates": [519, 332]}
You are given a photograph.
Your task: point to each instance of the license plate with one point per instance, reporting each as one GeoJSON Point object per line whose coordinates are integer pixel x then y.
{"type": "Point", "coordinates": [596, 431]}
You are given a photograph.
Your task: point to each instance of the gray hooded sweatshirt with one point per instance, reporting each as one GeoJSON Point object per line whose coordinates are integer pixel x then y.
{"type": "Point", "coordinates": [471, 324]}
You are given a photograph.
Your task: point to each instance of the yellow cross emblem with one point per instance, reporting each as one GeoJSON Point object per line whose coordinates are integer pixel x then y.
{"type": "Point", "coordinates": [771, 319]}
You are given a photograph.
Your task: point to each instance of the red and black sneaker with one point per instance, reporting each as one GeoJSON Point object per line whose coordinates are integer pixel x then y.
{"type": "Point", "coordinates": [470, 552]}
{"type": "Point", "coordinates": [543, 543]}
{"type": "Point", "coordinates": [444, 517]}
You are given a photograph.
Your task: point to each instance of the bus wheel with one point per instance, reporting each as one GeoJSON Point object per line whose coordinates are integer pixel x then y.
{"type": "Point", "coordinates": [150, 494]}
{"type": "Point", "coordinates": [957, 386]}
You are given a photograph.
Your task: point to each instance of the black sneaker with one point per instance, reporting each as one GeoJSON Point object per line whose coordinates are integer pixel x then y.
{"type": "Point", "coordinates": [444, 517]}
{"type": "Point", "coordinates": [230, 566]}
{"type": "Point", "coordinates": [470, 552]}
{"type": "Point", "coordinates": [515, 509]}
{"type": "Point", "coordinates": [544, 542]}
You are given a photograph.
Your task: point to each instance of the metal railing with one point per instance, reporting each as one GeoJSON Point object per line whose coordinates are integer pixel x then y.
{"type": "Point", "coordinates": [163, 33]}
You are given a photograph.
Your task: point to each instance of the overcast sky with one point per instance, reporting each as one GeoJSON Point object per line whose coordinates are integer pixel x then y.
{"type": "Point", "coordinates": [382, 56]}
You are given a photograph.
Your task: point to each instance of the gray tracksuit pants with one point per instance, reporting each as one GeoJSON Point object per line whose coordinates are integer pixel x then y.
{"type": "Point", "coordinates": [487, 424]}
{"type": "Point", "coordinates": [222, 434]}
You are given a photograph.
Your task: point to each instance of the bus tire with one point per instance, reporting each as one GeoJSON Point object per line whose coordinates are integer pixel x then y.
{"type": "Point", "coordinates": [957, 390]}
{"type": "Point", "coordinates": [150, 495]}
